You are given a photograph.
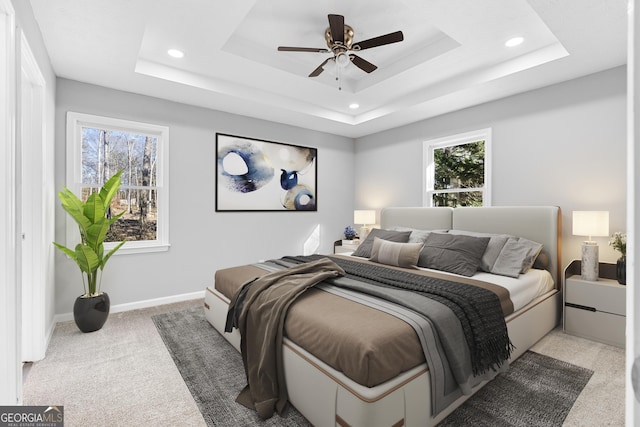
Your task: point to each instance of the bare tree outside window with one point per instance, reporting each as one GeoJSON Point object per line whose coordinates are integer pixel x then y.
{"type": "Point", "coordinates": [104, 152]}
{"type": "Point", "coordinates": [97, 148]}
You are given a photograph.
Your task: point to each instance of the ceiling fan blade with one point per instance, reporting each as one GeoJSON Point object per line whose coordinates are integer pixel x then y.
{"type": "Point", "coordinates": [379, 41]}
{"type": "Point", "coordinates": [319, 70]}
{"type": "Point", "coordinates": [363, 64]}
{"type": "Point", "coordinates": [302, 49]}
{"type": "Point", "coordinates": [336, 24]}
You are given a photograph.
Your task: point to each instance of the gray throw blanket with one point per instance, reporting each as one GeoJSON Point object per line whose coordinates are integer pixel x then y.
{"type": "Point", "coordinates": [478, 309]}
{"type": "Point", "coordinates": [258, 310]}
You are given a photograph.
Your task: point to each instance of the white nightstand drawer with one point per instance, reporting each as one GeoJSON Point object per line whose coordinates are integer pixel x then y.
{"type": "Point", "coordinates": [346, 250]}
{"type": "Point", "coordinates": [604, 295]}
{"type": "Point", "coordinates": [595, 325]}
{"type": "Point", "coordinates": [346, 246]}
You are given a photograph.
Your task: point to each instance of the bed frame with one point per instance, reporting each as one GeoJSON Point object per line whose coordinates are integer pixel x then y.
{"type": "Point", "coordinates": [327, 397]}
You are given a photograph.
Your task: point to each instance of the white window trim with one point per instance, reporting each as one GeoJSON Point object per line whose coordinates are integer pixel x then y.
{"type": "Point", "coordinates": [75, 122]}
{"type": "Point", "coordinates": [459, 139]}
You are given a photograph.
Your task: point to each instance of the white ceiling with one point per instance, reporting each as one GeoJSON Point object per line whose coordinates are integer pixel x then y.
{"type": "Point", "coordinates": [453, 54]}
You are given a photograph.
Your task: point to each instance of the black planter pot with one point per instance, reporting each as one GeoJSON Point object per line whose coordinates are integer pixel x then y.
{"type": "Point", "coordinates": [621, 270]}
{"type": "Point", "coordinates": [90, 313]}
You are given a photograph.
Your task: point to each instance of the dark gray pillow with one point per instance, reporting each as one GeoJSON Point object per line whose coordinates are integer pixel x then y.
{"type": "Point", "coordinates": [364, 250]}
{"type": "Point", "coordinates": [457, 254]}
{"type": "Point", "coordinates": [494, 247]}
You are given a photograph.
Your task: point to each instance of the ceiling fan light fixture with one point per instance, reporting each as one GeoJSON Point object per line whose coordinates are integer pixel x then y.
{"type": "Point", "coordinates": [515, 41]}
{"type": "Point", "coordinates": [175, 53]}
{"type": "Point", "coordinates": [342, 59]}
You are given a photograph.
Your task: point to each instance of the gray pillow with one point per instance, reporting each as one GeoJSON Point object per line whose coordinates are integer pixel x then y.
{"type": "Point", "coordinates": [416, 236]}
{"type": "Point", "coordinates": [393, 253]}
{"type": "Point", "coordinates": [494, 247]}
{"type": "Point", "coordinates": [364, 250]}
{"type": "Point", "coordinates": [534, 250]}
{"type": "Point", "coordinates": [517, 256]}
{"type": "Point", "coordinates": [458, 254]}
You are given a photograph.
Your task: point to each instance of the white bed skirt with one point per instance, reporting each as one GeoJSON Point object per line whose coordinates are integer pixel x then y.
{"type": "Point", "coordinates": [327, 397]}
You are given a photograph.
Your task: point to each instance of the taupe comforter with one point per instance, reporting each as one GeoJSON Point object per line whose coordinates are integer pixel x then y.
{"type": "Point", "coordinates": [367, 344]}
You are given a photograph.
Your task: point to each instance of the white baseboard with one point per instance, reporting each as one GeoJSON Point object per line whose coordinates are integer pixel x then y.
{"type": "Point", "coordinates": [138, 304]}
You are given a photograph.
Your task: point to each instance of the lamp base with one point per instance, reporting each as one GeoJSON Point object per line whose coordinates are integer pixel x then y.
{"type": "Point", "coordinates": [364, 231]}
{"type": "Point", "coordinates": [589, 268]}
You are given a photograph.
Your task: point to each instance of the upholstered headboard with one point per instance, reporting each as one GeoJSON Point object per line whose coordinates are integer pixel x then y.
{"type": "Point", "coordinates": [537, 223]}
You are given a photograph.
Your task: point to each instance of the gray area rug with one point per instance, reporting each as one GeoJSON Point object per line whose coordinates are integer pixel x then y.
{"type": "Point", "coordinates": [536, 391]}
{"type": "Point", "coordinates": [213, 371]}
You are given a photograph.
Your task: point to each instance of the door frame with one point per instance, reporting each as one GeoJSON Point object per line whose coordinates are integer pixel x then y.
{"type": "Point", "coordinates": [35, 231]}
{"type": "Point", "coordinates": [10, 359]}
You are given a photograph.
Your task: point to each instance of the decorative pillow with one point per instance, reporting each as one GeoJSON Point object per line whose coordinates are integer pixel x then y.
{"type": "Point", "coordinates": [517, 256]}
{"type": "Point", "coordinates": [495, 245]}
{"type": "Point", "coordinates": [458, 254]}
{"type": "Point", "coordinates": [416, 236]}
{"type": "Point", "coordinates": [364, 250]}
{"type": "Point", "coordinates": [393, 253]}
{"type": "Point", "coordinates": [534, 250]}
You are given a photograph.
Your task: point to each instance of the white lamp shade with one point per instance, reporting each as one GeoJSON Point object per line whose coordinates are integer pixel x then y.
{"type": "Point", "coordinates": [590, 223]}
{"type": "Point", "coordinates": [364, 217]}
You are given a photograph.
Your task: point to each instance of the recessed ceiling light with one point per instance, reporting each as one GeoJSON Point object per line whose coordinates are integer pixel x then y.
{"type": "Point", "coordinates": [354, 106]}
{"type": "Point", "coordinates": [514, 42]}
{"type": "Point", "coordinates": [175, 53]}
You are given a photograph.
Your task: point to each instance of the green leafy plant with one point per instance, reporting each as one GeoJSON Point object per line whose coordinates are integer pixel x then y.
{"type": "Point", "coordinates": [93, 223]}
{"type": "Point", "coordinates": [619, 242]}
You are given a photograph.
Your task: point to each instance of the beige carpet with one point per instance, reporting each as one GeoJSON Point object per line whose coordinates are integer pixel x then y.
{"type": "Point", "coordinates": [123, 375]}
{"type": "Point", "coordinates": [601, 403]}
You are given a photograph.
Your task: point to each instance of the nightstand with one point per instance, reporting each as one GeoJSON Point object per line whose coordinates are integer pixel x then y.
{"type": "Point", "coordinates": [595, 310]}
{"type": "Point", "coordinates": [340, 247]}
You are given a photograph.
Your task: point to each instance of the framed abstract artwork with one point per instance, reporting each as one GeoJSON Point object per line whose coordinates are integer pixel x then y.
{"type": "Point", "coordinates": [257, 175]}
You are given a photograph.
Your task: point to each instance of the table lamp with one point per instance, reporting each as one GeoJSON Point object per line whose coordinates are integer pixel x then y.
{"type": "Point", "coordinates": [364, 217]}
{"type": "Point", "coordinates": [590, 223]}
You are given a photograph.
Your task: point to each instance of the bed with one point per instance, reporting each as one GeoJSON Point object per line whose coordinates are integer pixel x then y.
{"type": "Point", "coordinates": [394, 386]}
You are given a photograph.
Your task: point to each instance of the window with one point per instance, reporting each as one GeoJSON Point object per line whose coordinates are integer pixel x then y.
{"type": "Point", "coordinates": [457, 170]}
{"type": "Point", "coordinates": [98, 147]}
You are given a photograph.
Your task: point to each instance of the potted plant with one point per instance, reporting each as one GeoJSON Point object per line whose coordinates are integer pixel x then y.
{"type": "Point", "coordinates": [91, 309]}
{"type": "Point", "coordinates": [619, 243]}
{"type": "Point", "coordinates": [350, 236]}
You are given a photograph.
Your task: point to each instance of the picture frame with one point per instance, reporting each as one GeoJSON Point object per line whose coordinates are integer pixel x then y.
{"type": "Point", "coordinates": [259, 175]}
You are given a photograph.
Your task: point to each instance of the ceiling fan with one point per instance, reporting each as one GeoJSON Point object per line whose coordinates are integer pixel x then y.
{"type": "Point", "coordinates": [339, 37]}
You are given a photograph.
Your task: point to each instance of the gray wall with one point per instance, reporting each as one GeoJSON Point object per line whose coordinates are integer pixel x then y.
{"type": "Point", "coordinates": [563, 145]}
{"type": "Point", "coordinates": [202, 240]}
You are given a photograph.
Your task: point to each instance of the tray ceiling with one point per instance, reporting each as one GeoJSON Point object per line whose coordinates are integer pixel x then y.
{"type": "Point", "coordinates": [453, 54]}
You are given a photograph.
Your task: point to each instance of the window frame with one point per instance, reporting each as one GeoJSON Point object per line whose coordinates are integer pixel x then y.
{"type": "Point", "coordinates": [75, 123]}
{"type": "Point", "coordinates": [428, 170]}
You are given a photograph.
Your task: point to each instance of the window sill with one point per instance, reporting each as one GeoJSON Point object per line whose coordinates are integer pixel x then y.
{"type": "Point", "coordinates": [139, 248]}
